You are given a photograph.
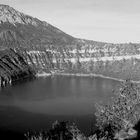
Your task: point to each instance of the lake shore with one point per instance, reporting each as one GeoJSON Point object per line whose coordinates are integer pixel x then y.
{"type": "Point", "coordinates": [45, 74]}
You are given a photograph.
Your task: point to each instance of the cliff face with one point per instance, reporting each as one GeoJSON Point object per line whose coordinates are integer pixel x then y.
{"type": "Point", "coordinates": [13, 67]}
{"type": "Point", "coordinates": [117, 61]}
{"type": "Point", "coordinates": [46, 48]}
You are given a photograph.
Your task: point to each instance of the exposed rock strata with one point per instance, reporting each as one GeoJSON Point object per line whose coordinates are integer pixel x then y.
{"type": "Point", "coordinates": [120, 62]}
{"type": "Point", "coordinates": [48, 49]}
{"type": "Point", "coordinates": [13, 67]}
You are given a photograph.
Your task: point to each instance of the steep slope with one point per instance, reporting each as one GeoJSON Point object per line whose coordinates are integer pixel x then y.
{"type": "Point", "coordinates": [13, 67]}
{"type": "Point", "coordinates": [113, 60]}
{"type": "Point", "coordinates": [30, 31]}
{"type": "Point", "coordinates": [48, 49]}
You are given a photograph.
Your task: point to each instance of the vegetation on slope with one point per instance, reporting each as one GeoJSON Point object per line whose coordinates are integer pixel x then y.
{"type": "Point", "coordinates": [122, 113]}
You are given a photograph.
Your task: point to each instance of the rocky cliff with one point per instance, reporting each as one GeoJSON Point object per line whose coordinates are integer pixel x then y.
{"type": "Point", "coordinates": [13, 67]}
{"type": "Point", "coordinates": [46, 48]}
{"type": "Point", "coordinates": [117, 61]}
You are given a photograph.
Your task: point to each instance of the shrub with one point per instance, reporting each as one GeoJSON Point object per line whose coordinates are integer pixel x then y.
{"type": "Point", "coordinates": [122, 112]}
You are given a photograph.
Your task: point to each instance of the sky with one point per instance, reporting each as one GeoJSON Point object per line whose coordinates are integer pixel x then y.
{"type": "Point", "coordinates": [114, 21]}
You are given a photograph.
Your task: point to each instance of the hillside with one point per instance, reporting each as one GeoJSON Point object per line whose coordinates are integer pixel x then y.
{"type": "Point", "coordinates": [48, 49]}
{"type": "Point", "coordinates": [28, 31]}
{"type": "Point", "coordinates": [13, 68]}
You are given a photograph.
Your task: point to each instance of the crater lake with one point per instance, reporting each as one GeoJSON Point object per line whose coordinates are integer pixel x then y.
{"type": "Point", "coordinates": [35, 104]}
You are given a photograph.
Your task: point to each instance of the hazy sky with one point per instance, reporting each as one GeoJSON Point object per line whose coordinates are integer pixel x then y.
{"type": "Point", "coordinates": [100, 20]}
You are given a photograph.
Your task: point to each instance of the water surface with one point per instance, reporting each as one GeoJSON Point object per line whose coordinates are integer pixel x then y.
{"type": "Point", "coordinates": [36, 104]}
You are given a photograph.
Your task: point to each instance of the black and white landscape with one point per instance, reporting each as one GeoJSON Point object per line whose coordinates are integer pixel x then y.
{"type": "Point", "coordinates": [54, 86]}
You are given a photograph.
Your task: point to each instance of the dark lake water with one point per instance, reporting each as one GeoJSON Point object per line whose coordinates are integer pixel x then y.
{"type": "Point", "coordinates": [36, 104]}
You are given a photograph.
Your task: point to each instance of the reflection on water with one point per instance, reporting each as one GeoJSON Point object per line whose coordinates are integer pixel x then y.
{"type": "Point", "coordinates": [36, 104]}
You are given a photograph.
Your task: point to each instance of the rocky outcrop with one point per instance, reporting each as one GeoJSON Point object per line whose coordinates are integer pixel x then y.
{"type": "Point", "coordinates": [118, 61]}
{"type": "Point", "coordinates": [13, 67]}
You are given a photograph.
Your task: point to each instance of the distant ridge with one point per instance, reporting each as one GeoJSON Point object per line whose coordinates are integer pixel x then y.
{"type": "Point", "coordinates": [28, 31]}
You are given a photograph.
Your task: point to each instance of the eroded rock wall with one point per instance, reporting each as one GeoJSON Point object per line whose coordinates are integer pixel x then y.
{"type": "Point", "coordinates": [13, 67]}
{"type": "Point", "coordinates": [117, 61]}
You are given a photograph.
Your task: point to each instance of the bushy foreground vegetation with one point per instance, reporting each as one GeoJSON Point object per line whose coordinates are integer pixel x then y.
{"type": "Point", "coordinates": [122, 113]}
{"type": "Point", "coordinates": [116, 120]}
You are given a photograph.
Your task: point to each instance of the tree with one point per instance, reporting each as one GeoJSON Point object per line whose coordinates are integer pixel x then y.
{"type": "Point", "coordinates": [122, 112]}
